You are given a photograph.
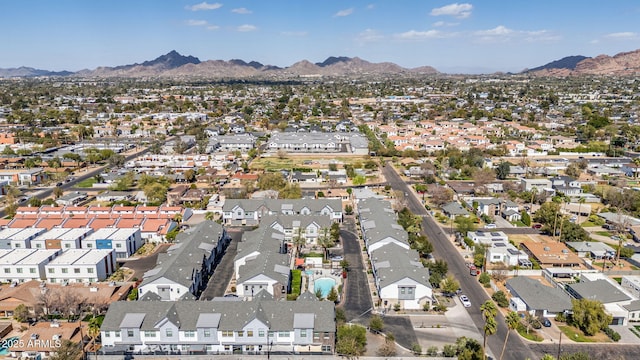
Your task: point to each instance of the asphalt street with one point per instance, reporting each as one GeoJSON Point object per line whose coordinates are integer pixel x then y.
{"type": "Point", "coordinates": [444, 249]}
{"type": "Point", "coordinates": [221, 277]}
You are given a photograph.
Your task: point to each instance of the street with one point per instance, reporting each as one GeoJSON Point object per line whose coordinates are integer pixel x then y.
{"type": "Point", "coordinates": [444, 249]}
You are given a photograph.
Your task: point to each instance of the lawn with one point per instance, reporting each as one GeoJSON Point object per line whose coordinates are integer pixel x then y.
{"type": "Point", "coordinates": [588, 223]}
{"type": "Point", "coordinates": [531, 336]}
{"type": "Point", "coordinates": [603, 233]}
{"type": "Point", "coordinates": [578, 336]}
{"type": "Point", "coordinates": [296, 281]}
{"type": "Point", "coordinates": [87, 183]}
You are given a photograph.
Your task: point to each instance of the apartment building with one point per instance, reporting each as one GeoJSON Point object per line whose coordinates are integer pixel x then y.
{"type": "Point", "coordinates": [124, 241]}
{"type": "Point", "coordinates": [21, 265]}
{"type": "Point", "coordinates": [81, 266]}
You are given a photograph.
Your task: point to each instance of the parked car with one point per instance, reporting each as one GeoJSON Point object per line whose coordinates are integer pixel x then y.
{"type": "Point", "coordinates": [536, 226]}
{"type": "Point", "coordinates": [546, 322]}
{"type": "Point", "coordinates": [465, 301]}
{"type": "Point", "coordinates": [490, 226]}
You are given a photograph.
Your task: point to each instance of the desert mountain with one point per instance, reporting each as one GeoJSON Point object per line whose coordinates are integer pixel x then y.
{"type": "Point", "coordinates": [30, 72]}
{"type": "Point", "coordinates": [174, 64]}
{"type": "Point", "coordinates": [622, 64]}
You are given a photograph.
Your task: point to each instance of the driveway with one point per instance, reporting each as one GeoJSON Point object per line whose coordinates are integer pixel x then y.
{"type": "Point", "coordinates": [223, 273]}
{"type": "Point", "coordinates": [357, 298]}
{"type": "Point", "coordinates": [144, 264]}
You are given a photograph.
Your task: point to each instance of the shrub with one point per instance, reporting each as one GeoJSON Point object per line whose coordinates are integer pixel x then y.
{"type": "Point", "coordinates": [416, 348]}
{"type": "Point", "coordinates": [449, 350]}
{"type": "Point", "coordinates": [561, 317]}
{"type": "Point", "coordinates": [432, 351]}
{"type": "Point", "coordinates": [500, 298]}
{"type": "Point", "coordinates": [612, 334]}
{"type": "Point", "coordinates": [485, 279]}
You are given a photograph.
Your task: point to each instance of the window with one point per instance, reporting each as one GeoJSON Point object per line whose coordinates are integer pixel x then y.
{"type": "Point", "coordinates": [90, 270]}
{"type": "Point", "coordinates": [284, 334]}
{"type": "Point", "coordinates": [189, 334]}
{"type": "Point", "coordinates": [50, 270]}
{"type": "Point", "coordinates": [89, 246]}
{"type": "Point", "coordinates": [249, 348]}
{"type": "Point", "coordinates": [129, 333]}
{"type": "Point", "coordinates": [32, 270]}
{"type": "Point", "coordinates": [316, 335]}
{"type": "Point", "coordinates": [207, 333]}
{"type": "Point", "coordinates": [168, 333]}
{"type": "Point", "coordinates": [7, 270]}
{"type": "Point", "coordinates": [326, 335]}
{"type": "Point", "coordinates": [118, 246]}
{"type": "Point", "coordinates": [261, 333]}
{"type": "Point", "coordinates": [107, 334]}
{"type": "Point", "coordinates": [250, 333]}
{"type": "Point", "coordinates": [19, 270]}
{"type": "Point", "coordinates": [185, 347]}
{"type": "Point", "coordinates": [18, 246]}
{"type": "Point", "coordinates": [402, 291]}
{"type": "Point", "coordinates": [65, 270]}
{"type": "Point", "coordinates": [303, 333]}
{"type": "Point", "coordinates": [117, 333]}
{"type": "Point", "coordinates": [149, 333]}
{"type": "Point", "coordinates": [326, 348]}
{"type": "Point", "coordinates": [38, 246]}
{"type": "Point", "coordinates": [76, 270]}
{"type": "Point", "coordinates": [227, 333]}
{"type": "Point", "coordinates": [227, 348]}
{"type": "Point", "coordinates": [67, 246]}
{"type": "Point", "coordinates": [240, 333]}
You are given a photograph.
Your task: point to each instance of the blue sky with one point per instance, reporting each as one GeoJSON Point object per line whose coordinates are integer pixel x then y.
{"type": "Point", "coordinates": [471, 37]}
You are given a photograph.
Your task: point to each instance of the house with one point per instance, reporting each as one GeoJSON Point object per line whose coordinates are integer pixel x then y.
{"type": "Point", "coordinates": [487, 237]}
{"type": "Point", "coordinates": [250, 211]}
{"type": "Point", "coordinates": [454, 209]}
{"type": "Point", "coordinates": [72, 198]}
{"type": "Point", "coordinates": [21, 265]}
{"type": "Point", "coordinates": [260, 326]}
{"type": "Point", "coordinates": [631, 283]}
{"type": "Point", "coordinates": [487, 206]}
{"type": "Point", "coordinates": [229, 143]}
{"type": "Point", "coordinates": [41, 340]}
{"type": "Point", "coordinates": [592, 249]}
{"type": "Point", "coordinates": [401, 278]}
{"type": "Point", "coordinates": [31, 176]}
{"type": "Point", "coordinates": [61, 238]}
{"type": "Point", "coordinates": [551, 254]}
{"type": "Point", "coordinates": [304, 177]}
{"type": "Point", "coordinates": [540, 185]}
{"type": "Point", "coordinates": [183, 271]}
{"type": "Point", "coordinates": [379, 225]}
{"type": "Point", "coordinates": [510, 211]}
{"type": "Point", "coordinates": [610, 295]}
{"type": "Point", "coordinates": [125, 241]}
{"type": "Point", "coordinates": [540, 300]}
{"type": "Point", "coordinates": [504, 252]}
{"type": "Point", "coordinates": [309, 228]}
{"type": "Point", "coordinates": [262, 262]}
{"type": "Point", "coordinates": [111, 196]}
{"type": "Point", "coordinates": [81, 266]}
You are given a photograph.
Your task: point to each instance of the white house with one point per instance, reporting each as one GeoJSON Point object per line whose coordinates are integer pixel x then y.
{"type": "Point", "coordinates": [124, 241]}
{"type": "Point", "coordinates": [20, 265]}
{"type": "Point", "coordinates": [81, 266]}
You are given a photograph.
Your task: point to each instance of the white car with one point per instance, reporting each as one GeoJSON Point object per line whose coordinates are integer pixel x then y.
{"type": "Point", "coordinates": [465, 301]}
{"type": "Point", "coordinates": [491, 226]}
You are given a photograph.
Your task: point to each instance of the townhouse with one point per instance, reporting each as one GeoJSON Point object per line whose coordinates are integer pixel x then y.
{"type": "Point", "coordinates": [81, 266]}
{"type": "Point", "coordinates": [261, 326]}
{"type": "Point", "coordinates": [400, 278]}
{"type": "Point", "coordinates": [125, 241]}
{"type": "Point", "coordinates": [183, 271]}
{"type": "Point", "coordinates": [19, 238]}
{"type": "Point", "coordinates": [21, 265]}
{"type": "Point", "coordinates": [308, 228]}
{"type": "Point", "coordinates": [61, 238]}
{"type": "Point", "coordinates": [237, 212]}
{"type": "Point", "coordinates": [262, 262]}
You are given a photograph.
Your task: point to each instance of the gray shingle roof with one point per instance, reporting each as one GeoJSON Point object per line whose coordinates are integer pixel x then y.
{"type": "Point", "coordinates": [538, 296]}
{"type": "Point", "coordinates": [231, 315]}
{"type": "Point", "coordinates": [276, 206]}
{"type": "Point", "coordinates": [600, 290]}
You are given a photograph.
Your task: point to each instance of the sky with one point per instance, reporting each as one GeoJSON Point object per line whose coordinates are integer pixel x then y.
{"type": "Point", "coordinates": [481, 36]}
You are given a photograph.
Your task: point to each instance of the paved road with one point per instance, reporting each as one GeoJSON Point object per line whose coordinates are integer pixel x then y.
{"type": "Point", "coordinates": [357, 303]}
{"type": "Point", "coordinates": [224, 271]}
{"type": "Point", "coordinates": [444, 249]}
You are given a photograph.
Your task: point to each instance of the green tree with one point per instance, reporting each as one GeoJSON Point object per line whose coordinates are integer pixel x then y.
{"type": "Point", "coordinates": [333, 295]}
{"type": "Point", "coordinates": [502, 170]}
{"type": "Point", "coordinates": [500, 298]}
{"type": "Point", "coordinates": [449, 285]}
{"type": "Point", "coordinates": [8, 151]}
{"type": "Point", "coordinates": [155, 193]}
{"type": "Point", "coordinates": [359, 180]}
{"type": "Point", "coordinates": [352, 341]}
{"type": "Point", "coordinates": [468, 349]}
{"type": "Point", "coordinates": [35, 202]}
{"type": "Point", "coordinates": [589, 316]}
{"type": "Point", "coordinates": [21, 313]}
{"type": "Point", "coordinates": [93, 330]}
{"type": "Point", "coordinates": [530, 321]}
{"type": "Point", "coordinates": [525, 218]}
{"type": "Point", "coordinates": [376, 324]}
{"type": "Point", "coordinates": [326, 241]}
{"type": "Point", "coordinates": [512, 320]}
{"type": "Point", "coordinates": [209, 215]}
{"type": "Point", "coordinates": [272, 181]}
{"type": "Point", "coordinates": [464, 224]}
{"type": "Point", "coordinates": [291, 191]}
{"type": "Point", "coordinates": [57, 192]}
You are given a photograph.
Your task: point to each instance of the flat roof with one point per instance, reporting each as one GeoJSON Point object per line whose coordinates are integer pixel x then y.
{"type": "Point", "coordinates": [15, 256]}
{"type": "Point", "coordinates": [9, 232]}
{"type": "Point", "coordinates": [74, 234]}
{"type": "Point", "coordinates": [104, 233]}
{"type": "Point", "coordinates": [28, 233]}
{"type": "Point", "coordinates": [55, 233]}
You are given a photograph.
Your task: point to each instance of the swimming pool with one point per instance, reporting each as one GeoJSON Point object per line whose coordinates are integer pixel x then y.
{"type": "Point", "coordinates": [325, 285]}
{"type": "Point", "coordinates": [9, 341]}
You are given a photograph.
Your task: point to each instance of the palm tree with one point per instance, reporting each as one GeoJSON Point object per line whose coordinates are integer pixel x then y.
{"type": "Point", "coordinates": [93, 330]}
{"type": "Point", "coordinates": [581, 201]}
{"type": "Point", "coordinates": [530, 321]}
{"type": "Point", "coordinates": [489, 311]}
{"type": "Point", "coordinates": [512, 319]}
{"type": "Point", "coordinates": [299, 241]}
{"type": "Point", "coordinates": [325, 240]}
{"type": "Point", "coordinates": [208, 215]}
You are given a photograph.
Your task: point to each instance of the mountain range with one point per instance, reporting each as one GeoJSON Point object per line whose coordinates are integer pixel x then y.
{"type": "Point", "coordinates": [175, 65]}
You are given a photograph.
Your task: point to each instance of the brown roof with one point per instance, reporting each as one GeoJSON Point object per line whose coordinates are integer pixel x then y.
{"type": "Point", "coordinates": [551, 253]}
{"type": "Point", "coordinates": [73, 223]}
{"type": "Point", "coordinates": [47, 333]}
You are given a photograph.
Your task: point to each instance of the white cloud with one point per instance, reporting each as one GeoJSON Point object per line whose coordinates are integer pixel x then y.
{"type": "Point", "coordinates": [345, 12]}
{"type": "Point", "coordinates": [196, 22]}
{"type": "Point", "coordinates": [241, 11]}
{"type": "Point", "coordinates": [246, 28]}
{"type": "Point", "coordinates": [420, 35]}
{"type": "Point", "coordinates": [622, 35]}
{"type": "Point", "coordinates": [213, 27]}
{"type": "Point", "coordinates": [444, 23]}
{"type": "Point", "coordinates": [371, 6]}
{"type": "Point", "coordinates": [499, 30]}
{"type": "Point", "coordinates": [368, 35]}
{"type": "Point", "coordinates": [294, 33]}
{"type": "Point", "coordinates": [540, 35]}
{"type": "Point", "coordinates": [204, 6]}
{"type": "Point", "coordinates": [456, 10]}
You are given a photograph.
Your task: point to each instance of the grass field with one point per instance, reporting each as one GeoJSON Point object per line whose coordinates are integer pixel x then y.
{"type": "Point", "coordinates": [577, 335]}
{"type": "Point", "coordinates": [86, 183]}
{"type": "Point", "coordinates": [318, 161]}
